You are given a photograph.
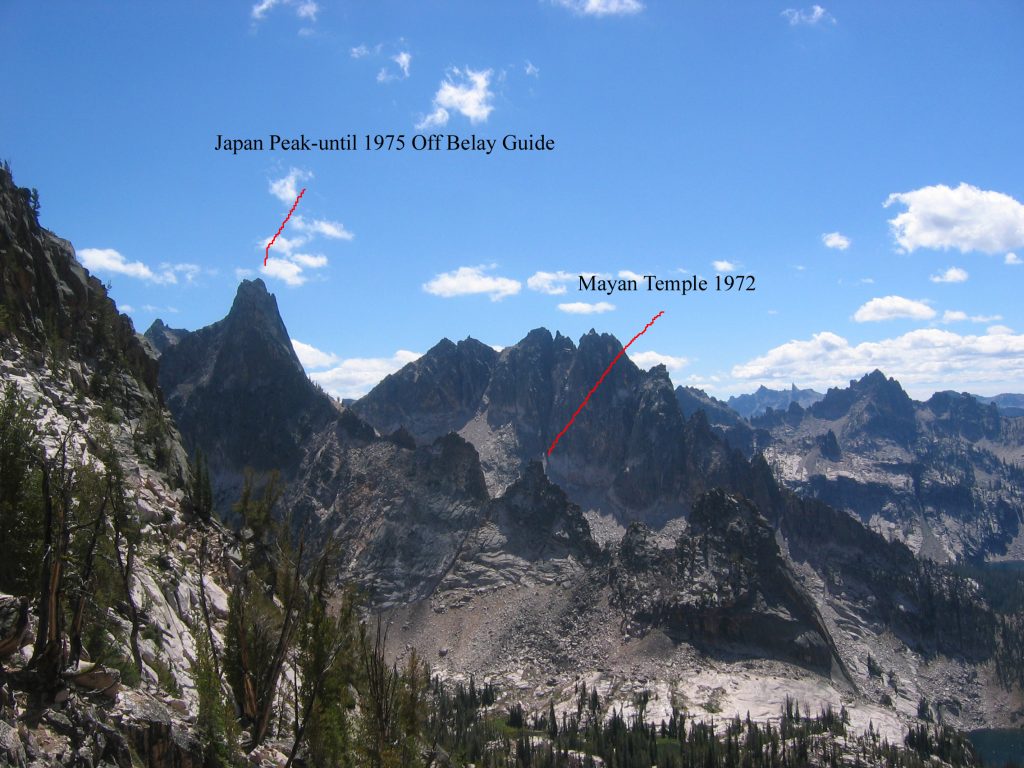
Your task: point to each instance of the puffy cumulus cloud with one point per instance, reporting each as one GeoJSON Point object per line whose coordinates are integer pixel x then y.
{"type": "Point", "coordinates": [585, 308]}
{"type": "Point", "coordinates": [466, 281]}
{"type": "Point", "coordinates": [334, 230]}
{"type": "Point", "coordinates": [551, 283]}
{"type": "Point", "coordinates": [110, 261]}
{"type": "Point", "coordinates": [924, 361]}
{"type": "Point", "coordinates": [355, 376]}
{"type": "Point", "coordinates": [723, 266]}
{"type": "Point", "coordinates": [602, 7]}
{"type": "Point", "coordinates": [311, 357]}
{"type": "Point", "coordinates": [808, 16]}
{"type": "Point", "coordinates": [466, 91]}
{"type": "Point", "coordinates": [951, 275]}
{"type": "Point", "coordinates": [649, 359]}
{"type": "Point", "coordinates": [891, 308]}
{"type": "Point", "coordinates": [965, 218]}
{"type": "Point", "coordinates": [836, 241]}
{"type": "Point", "coordinates": [286, 271]}
{"type": "Point", "coordinates": [1012, 259]}
{"type": "Point", "coordinates": [309, 260]}
{"type": "Point", "coordinates": [286, 189]}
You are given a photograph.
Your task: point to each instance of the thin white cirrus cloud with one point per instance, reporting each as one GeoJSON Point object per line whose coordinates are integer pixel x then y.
{"type": "Point", "coordinates": [355, 376]}
{"type": "Point", "coordinates": [720, 265]}
{"type": "Point", "coordinates": [108, 261]}
{"type": "Point", "coordinates": [808, 16]}
{"type": "Point", "coordinates": [649, 359]}
{"type": "Point", "coordinates": [466, 91]}
{"type": "Point", "coordinates": [893, 308]}
{"type": "Point", "coordinates": [836, 241]}
{"type": "Point", "coordinates": [286, 189]}
{"type": "Point", "coordinates": [602, 7]}
{"type": "Point", "coordinates": [958, 316]}
{"type": "Point", "coordinates": [964, 218]}
{"type": "Point", "coordinates": [531, 69]}
{"type": "Point", "coordinates": [924, 361]}
{"type": "Point", "coordinates": [334, 230]}
{"type": "Point", "coordinates": [586, 308]}
{"type": "Point", "coordinates": [1013, 260]}
{"type": "Point", "coordinates": [311, 357]}
{"type": "Point", "coordinates": [304, 9]}
{"type": "Point", "coordinates": [404, 61]}
{"type": "Point", "coordinates": [467, 281]}
{"type": "Point", "coordinates": [951, 275]}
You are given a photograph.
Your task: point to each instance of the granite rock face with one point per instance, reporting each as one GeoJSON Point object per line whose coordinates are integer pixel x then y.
{"type": "Point", "coordinates": [725, 585]}
{"type": "Point", "coordinates": [942, 475]}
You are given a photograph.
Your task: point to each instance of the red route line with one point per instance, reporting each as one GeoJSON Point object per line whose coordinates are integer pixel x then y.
{"type": "Point", "coordinates": [281, 228]}
{"type": "Point", "coordinates": [593, 389]}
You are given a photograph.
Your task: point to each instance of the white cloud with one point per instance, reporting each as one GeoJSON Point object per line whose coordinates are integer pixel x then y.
{"type": "Point", "coordinates": [304, 9]}
{"type": "Point", "coordinates": [552, 283]}
{"type": "Point", "coordinates": [466, 281]}
{"type": "Point", "coordinates": [403, 60]}
{"type": "Point", "coordinates": [951, 275]}
{"type": "Point", "coordinates": [287, 271]}
{"type": "Point", "coordinates": [965, 218]}
{"type": "Point", "coordinates": [356, 376]}
{"type": "Point", "coordinates": [647, 360]}
{"type": "Point", "coordinates": [309, 260]}
{"type": "Point", "coordinates": [335, 230]}
{"type": "Point", "coordinates": [283, 244]}
{"type": "Point", "coordinates": [190, 271]}
{"type": "Point", "coordinates": [924, 361]}
{"type": "Point", "coordinates": [891, 308]}
{"type": "Point", "coordinates": [110, 261]}
{"type": "Point", "coordinates": [125, 308]}
{"type": "Point", "coordinates": [584, 308]}
{"type": "Point", "coordinates": [286, 189]}
{"type": "Point", "coordinates": [723, 266]}
{"type": "Point", "coordinates": [1013, 260]}
{"type": "Point", "coordinates": [464, 91]}
{"type": "Point", "coordinates": [359, 52]}
{"type": "Point", "coordinates": [602, 7]}
{"type": "Point", "coordinates": [311, 357]}
{"type": "Point", "coordinates": [957, 316]}
{"type": "Point", "coordinates": [627, 274]}
{"type": "Point", "coordinates": [999, 330]}
{"type": "Point", "coordinates": [808, 16]}
{"type": "Point", "coordinates": [836, 241]}
{"type": "Point", "coordinates": [530, 69]}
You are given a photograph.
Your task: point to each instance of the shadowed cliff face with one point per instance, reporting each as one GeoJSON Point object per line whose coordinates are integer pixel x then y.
{"type": "Point", "coordinates": [629, 452]}
{"type": "Point", "coordinates": [724, 585]}
{"type": "Point", "coordinates": [52, 303]}
{"type": "Point", "coordinates": [238, 391]}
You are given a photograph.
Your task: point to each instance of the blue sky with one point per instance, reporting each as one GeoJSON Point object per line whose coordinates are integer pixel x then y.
{"type": "Point", "coordinates": [861, 160]}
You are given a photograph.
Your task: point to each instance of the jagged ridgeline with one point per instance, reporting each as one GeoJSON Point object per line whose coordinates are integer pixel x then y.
{"type": "Point", "coordinates": [651, 594]}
